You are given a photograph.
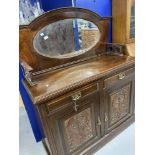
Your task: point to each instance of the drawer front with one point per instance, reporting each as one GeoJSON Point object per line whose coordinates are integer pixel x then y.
{"type": "Point", "coordinates": [70, 98]}
{"type": "Point", "coordinates": [120, 77]}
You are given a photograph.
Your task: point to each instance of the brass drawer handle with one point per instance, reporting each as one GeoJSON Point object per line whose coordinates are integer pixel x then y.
{"type": "Point", "coordinates": [75, 98]}
{"type": "Point", "coordinates": [121, 76]}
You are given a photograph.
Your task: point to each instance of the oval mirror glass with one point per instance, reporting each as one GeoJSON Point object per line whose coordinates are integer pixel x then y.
{"type": "Point", "coordinates": [66, 38]}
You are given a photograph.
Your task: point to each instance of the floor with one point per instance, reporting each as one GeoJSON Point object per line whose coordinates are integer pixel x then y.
{"type": "Point", "coordinates": [123, 144]}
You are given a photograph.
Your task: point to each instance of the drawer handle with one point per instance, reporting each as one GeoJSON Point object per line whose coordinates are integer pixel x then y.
{"type": "Point", "coordinates": [121, 76]}
{"type": "Point", "coordinates": [75, 98]}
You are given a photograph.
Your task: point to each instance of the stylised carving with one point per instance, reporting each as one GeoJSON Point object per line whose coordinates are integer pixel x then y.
{"type": "Point", "coordinates": [78, 129]}
{"type": "Point", "coordinates": [119, 104]}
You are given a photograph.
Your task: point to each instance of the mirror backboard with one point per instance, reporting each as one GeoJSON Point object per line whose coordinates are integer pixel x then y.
{"type": "Point", "coordinates": [61, 38]}
{"type": "Point", "coordinates": [66, 38]}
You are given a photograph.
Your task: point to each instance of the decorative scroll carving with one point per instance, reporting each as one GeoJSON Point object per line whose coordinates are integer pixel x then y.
{"type": "Point", "coordinates": [78, 129]}
{"type": "Point", "coordinates": [119, 105]}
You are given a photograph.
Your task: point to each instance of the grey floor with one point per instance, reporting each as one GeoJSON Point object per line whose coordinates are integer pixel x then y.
{"type": "Point", "coordinates": [123, 144]}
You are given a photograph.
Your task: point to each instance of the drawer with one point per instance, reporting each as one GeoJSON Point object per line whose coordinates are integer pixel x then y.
{"type": "Point", "coordinates": [120, 77]}
{"type": "Point", "coordinates": [67, 99]}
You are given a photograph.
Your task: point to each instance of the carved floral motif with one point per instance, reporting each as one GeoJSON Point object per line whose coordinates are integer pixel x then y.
{"type": "Point", "coordinates": [119, 104]}
{"type": "Point", "coordinates": [78, 129]}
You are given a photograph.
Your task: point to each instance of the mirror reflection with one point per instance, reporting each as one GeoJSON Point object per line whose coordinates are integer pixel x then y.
{"type": "Point", "coordinates": [66, 38]}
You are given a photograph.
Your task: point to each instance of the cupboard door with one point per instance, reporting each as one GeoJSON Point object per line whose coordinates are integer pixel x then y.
{"type": "Point", "coordinates": [75, 130]}
{"type": "Point", "coordinates": [119, 102]}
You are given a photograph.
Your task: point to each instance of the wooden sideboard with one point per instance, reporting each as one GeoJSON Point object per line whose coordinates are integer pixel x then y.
{"type": "Point", "coordinates": [86, 102]}
{"type": "Point", "coordinates": [82, 107]}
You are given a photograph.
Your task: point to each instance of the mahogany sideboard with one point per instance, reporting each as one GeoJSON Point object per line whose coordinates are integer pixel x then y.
{"type": "Point", "coordinates": [84, 97]}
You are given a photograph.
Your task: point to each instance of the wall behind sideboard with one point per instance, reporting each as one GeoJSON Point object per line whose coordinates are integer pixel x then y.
{"type": "Point", "coordinates": [101, 7]}
{"type": "Point", "coordinates": [54, 4]}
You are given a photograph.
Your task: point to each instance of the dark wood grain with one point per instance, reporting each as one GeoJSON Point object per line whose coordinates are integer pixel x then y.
{"type": "Point", "coordinates": [85, 101]}
{"type": "Point", "coordinates": [61, 123]}
{"type": "Point", "coordinates": [59, 82]}
{"type": "Point", "coordinates": [53, 108]}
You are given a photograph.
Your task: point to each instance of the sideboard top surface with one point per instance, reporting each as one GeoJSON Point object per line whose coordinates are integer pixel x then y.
{"type": "Point", "coordinates": [57, 83]}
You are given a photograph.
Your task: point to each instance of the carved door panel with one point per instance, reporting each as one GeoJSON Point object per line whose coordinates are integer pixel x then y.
{"type": "Point", "coordinates": [75, 130]}
{"type": "Point", "coordinates": [119, 102]}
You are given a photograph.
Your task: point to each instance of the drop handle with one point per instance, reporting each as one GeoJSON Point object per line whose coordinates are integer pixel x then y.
{"type": "Point", "coordinates": [121, 76]}
{"type": "Point", "coordinates": [75, 98]}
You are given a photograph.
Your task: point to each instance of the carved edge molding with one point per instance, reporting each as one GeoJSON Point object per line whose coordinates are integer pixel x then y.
{"type": "Point", "coordinates": [51, 95]}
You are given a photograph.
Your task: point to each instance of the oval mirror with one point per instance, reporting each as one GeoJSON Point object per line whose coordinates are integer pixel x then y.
{"type": "Point", "coordinates": [66, 38]}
